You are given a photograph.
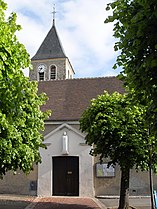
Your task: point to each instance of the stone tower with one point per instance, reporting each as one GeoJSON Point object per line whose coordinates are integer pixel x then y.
{"type": "Point", "coordinates": [50, 61]}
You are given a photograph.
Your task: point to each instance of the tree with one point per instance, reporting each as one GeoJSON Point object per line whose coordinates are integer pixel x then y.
{"type": "Point", "coordinates": [21, 119]}
{"type": "Point", "coordinates": [136, 29]}
{"type": "Point", "coordinates": [116, 129]}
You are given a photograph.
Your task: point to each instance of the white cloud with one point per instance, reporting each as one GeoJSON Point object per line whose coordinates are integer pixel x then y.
{"type": "Point", "coordinates": [87, 41]}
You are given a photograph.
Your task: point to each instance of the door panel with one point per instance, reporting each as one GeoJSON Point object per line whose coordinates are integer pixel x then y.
{"type": "Point", "coordinates": [66, 176]}
{"type": "Point", "coordinates": [59, 178]}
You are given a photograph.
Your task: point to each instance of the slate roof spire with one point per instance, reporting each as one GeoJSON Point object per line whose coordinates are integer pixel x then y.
{"type": "Point", "coordinates": [51, 47]}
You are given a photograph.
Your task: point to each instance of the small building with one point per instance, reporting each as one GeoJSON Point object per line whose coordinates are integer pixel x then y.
{"type": "Point", "coordinates": [67, 168]}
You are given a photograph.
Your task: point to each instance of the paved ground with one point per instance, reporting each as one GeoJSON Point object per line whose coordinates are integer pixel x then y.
{"type": "Point", "coordinates": [25, 202]}
{"type": "Point", "coordinates": [28, 202]}
{"type": "Point", "coordinates": [66, 203]}
{"type": "Point", "coordinates": [15, 202]}
{"type": "Point", "coordinates": [139, 202]}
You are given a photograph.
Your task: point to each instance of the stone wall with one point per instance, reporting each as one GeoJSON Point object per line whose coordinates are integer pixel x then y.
{"type": "Point", "coordinates": [19, 183]}
{"type": "Point", "coordinates": [139, 183]}
{"type": "Point", "coordinates": [60, 66]}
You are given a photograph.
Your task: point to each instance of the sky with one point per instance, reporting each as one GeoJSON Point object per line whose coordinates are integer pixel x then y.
{"type": "Point", "coordinates": [87, 41]}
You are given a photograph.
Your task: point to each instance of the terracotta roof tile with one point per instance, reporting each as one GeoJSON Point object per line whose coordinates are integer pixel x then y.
{"type": "Point", "coordinates": [69, 98]}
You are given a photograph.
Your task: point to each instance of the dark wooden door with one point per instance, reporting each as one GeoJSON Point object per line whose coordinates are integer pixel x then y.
{"type": "Point", "coordinates": [66, 176]}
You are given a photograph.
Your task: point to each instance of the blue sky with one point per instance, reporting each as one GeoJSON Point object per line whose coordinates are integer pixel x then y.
{"type": "Point", "coordinates": [87, 41]}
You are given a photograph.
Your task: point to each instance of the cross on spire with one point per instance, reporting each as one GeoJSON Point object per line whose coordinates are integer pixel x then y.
{"type": "Point", "coordinates": [54, 12]}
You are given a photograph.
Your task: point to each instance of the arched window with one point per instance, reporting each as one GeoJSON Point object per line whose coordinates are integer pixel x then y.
{"type": "Point", "coordinates": [53, 73]}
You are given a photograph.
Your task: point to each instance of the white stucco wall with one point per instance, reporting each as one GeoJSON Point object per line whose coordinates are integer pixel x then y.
{"type": "Point", "coordinates": [76, 148]}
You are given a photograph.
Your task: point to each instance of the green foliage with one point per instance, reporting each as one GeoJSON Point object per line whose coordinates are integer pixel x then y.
{"type": "Point", "coordinates": [135, 26]}
{"type": "Point", "coordinates": [21, 119]}
{"type": "Point", "coordinates": [116, 129]}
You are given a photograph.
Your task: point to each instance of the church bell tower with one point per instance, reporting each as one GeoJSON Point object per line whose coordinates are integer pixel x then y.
{"type": "Point", "coordinates": [50, 61]}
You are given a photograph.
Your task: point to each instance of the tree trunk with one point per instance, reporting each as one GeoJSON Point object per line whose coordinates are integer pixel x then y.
{"type": "Point", "coordinates": [124, 190]}
{"type": "Point", "coordinates": [151, 188]}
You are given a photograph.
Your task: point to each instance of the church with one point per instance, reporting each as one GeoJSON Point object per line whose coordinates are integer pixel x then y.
{"type": "Point", "coordinates": [67, 169]}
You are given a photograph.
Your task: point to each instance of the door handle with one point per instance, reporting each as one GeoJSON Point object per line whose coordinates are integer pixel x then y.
{"type": "Point", "coordinates": [69, 172]}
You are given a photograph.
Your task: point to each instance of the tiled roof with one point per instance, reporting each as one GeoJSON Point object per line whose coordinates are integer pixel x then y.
{"type": "Point", "coordinates": [69, 98]}
{"type": "Point", "coordinates": [51, 47]}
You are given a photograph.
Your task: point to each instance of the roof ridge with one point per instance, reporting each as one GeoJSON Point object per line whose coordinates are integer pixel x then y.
{"type": "Point", "coordinates": [101, 77]}
{"type": "Point", "coordinates": [88, 78]}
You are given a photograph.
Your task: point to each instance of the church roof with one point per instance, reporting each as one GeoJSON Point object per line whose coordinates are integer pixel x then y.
{"type": "Point", "coordinates": [69, 98]}
{"type": "Point", "coordinates": [51, 47]}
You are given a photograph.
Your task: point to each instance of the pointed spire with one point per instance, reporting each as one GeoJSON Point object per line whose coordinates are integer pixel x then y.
{"type": "Point", "coordinates": [54, 12]}
{"type": "Point", "coordinates": [51, 47]}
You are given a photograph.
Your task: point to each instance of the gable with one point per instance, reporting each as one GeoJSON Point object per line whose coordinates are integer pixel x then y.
{"type": "Point", "coordinates": [54, 141]}
{"type": "Point", "coordinates": [61, 127]}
